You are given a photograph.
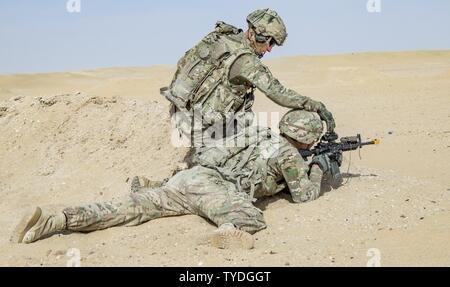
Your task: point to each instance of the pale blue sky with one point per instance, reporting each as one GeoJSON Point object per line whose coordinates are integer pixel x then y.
{"type": "Point", "coordinates": [41, 36]}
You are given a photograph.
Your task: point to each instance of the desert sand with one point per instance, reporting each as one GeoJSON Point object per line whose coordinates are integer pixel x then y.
{"type": "Point", "coordinates": [77, 137]}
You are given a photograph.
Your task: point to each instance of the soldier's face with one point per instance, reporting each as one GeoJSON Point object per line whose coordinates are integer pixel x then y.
{"type": "Point", "coordinates": [299, 145]}
{"type": "Point", "coordinates": [262, 48]}
{"type": "Point", "coordinates": [304, 146]}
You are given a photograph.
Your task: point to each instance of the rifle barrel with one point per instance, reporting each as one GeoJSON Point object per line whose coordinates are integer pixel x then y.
{"type": "Point", "coordinates": [345, 146]}
{"type": "Point", "coordinates": [374, 141]}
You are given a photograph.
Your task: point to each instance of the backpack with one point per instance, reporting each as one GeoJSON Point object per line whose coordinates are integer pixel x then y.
{"type": "Point", "coordinates": [222, 150]}
{"type": "Point", "coordinates": [223, 156]}
{"type": "Point", "coordinates": [194, 80]}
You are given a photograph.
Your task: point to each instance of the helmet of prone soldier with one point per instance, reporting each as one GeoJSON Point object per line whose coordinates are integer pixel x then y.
{"type": "Point", "coordinates": [302, 126]}
{"type": "Point", "coordinates": [267, 23]}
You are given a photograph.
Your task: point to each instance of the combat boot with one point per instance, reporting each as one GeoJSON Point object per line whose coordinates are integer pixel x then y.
{"type": "Point", "coordinates": [37, 225]}
{"type": "Point", "coordinates": [228, 237]}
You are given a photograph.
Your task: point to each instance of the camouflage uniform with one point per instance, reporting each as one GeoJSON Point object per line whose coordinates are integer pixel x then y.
{"type": "Point", "coordinates": [198, 190]}
{"type": "Point", "coordinates": [212, 92]}
{"type": "Point", "coordinates": [221, 187]}
{"type": "Point", "coordinates": [222, 194]}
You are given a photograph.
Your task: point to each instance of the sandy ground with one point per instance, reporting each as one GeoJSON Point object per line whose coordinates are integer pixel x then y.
{"type": "Point", "coordinates": [76, 137]}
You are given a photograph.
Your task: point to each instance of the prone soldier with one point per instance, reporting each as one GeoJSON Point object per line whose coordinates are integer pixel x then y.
{"type": "Point", "coordinates": [221, 186]}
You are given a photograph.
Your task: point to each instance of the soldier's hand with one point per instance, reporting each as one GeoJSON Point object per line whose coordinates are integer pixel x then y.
{"type": "Point", "coordinates": [323, 161]}
{"type": "Point", "coordinates": [337, 157]}
{"type": "Point", "coordinates": [326, 116]}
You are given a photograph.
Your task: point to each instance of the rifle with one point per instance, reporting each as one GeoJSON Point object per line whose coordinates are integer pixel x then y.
{"type": "Point", "coordinates": [333, 149]}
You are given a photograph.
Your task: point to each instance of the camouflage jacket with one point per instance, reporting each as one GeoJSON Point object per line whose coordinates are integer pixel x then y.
{"type": "Point", "coordinates": [264, 166]}
{"type": "Point", "coordinates": [217, 77]}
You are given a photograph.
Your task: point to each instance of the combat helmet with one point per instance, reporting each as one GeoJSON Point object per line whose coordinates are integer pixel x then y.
{"type": "Point", "coordinates": [302, 126]}
{"type": "Point", "coordinates": [268, 23]}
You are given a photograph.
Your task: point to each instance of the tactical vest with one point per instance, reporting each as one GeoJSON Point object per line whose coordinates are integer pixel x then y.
{"type": "Point", "coordinates": [243, 158]}
{"type": "Point", "coordinates": [203, 73]}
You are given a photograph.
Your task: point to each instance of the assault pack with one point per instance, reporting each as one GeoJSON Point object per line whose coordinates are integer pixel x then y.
{"type": "Point", "coordinates": [204, 67]}
{"type": "Point", "coordinates": [241, 158]}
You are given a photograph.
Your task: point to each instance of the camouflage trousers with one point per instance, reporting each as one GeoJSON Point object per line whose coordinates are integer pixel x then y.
{"type": "Point", "coordinates": [199, 190]}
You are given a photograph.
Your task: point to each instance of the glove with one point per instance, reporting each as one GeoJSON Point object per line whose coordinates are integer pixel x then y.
{"type": "Point", "coordinates": [323, 161]}
{"type": "Point", "coordinates": [337, 157]}
{"type": "Point", "coordinates": [326, 116]}
{"type": "Point", "coordinates": [335, 172]}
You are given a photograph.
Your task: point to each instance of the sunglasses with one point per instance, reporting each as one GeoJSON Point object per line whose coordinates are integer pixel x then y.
{"type": "Point", "coordinates": [264, 39]}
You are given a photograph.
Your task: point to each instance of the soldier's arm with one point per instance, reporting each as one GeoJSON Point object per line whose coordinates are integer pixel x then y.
{"type": "Point", "coordinates": [303, 187]}
{"type": "Point", "coordinates": [249, 69]}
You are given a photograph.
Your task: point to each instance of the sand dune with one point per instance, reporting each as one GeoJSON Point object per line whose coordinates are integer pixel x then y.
{"type": "Point", "coordinates": [76, 137]}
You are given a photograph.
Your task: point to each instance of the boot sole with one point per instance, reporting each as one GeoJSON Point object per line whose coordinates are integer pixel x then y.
{"type": "Point", "coordinates": [232, 239]}
{"type": "Point", "coordinates": [25, 224]}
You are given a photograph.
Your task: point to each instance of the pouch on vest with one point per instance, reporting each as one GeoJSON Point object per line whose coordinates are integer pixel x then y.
{"type": "Point", "coordinates": [217, 155]}
{"type": "Point", "coordinates": [197, 65]}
